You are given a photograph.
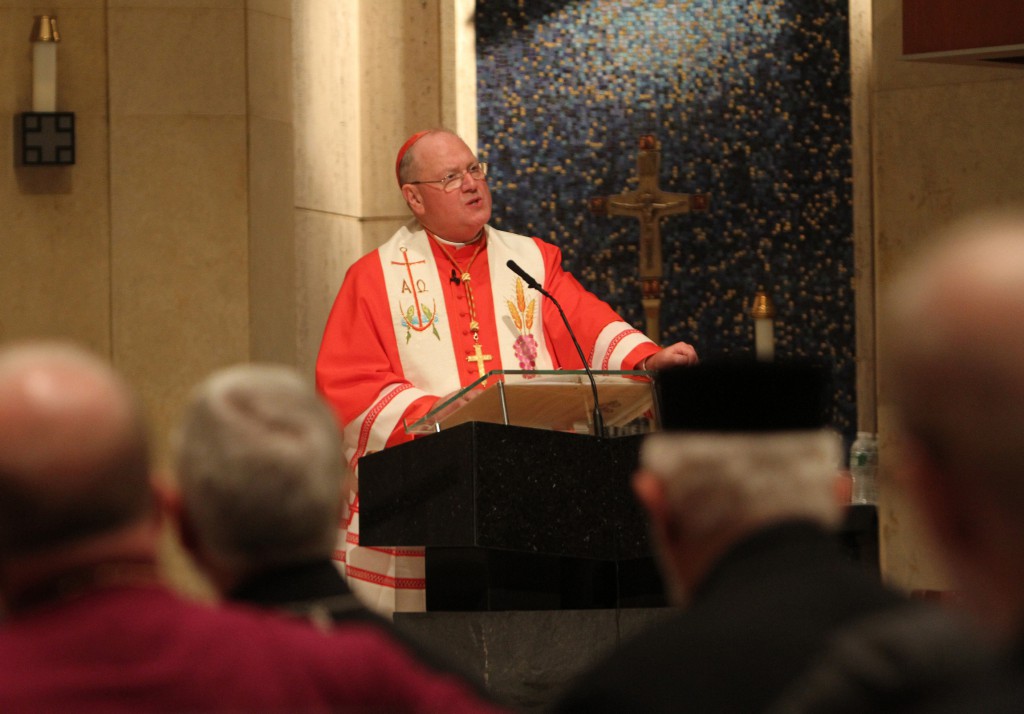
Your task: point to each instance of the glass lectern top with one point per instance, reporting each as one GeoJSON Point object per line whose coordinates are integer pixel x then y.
{"type": "Point", "coordinates": [560, 400]}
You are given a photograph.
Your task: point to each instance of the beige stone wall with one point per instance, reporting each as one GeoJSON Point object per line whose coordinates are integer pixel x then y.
{"type": "Point", "coordinates": [944, 140]}
{"type": "Point", "coordinates": [272, 294]}
{"type": "Point", "coordinates": [169, 246]}
{"type": "Point", "coordinates": [178, 160]}
{"type": "Point", "coordinates": [55, 238]}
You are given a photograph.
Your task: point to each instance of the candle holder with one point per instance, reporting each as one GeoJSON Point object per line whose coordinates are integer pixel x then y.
{"type": "Point", "coordinates": [45, 137]}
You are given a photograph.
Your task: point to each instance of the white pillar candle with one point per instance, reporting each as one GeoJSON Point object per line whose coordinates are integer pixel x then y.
{"type": "Point", "coordinates": [764, 339]}
{"type": "Point", "coordinates": [44, 68]}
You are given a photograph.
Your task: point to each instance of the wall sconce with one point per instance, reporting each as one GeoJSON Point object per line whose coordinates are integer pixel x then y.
{"type": "Point", "coordinates": [46, 136]}
{"type": "Point", "coordinates": [763, 312]}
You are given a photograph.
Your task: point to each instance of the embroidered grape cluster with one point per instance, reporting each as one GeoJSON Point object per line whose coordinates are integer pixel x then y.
{"type": "Point", "coordinates": [526, 351]}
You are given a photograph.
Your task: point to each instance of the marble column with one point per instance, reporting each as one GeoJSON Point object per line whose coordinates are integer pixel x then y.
{"type": "Point", "coordinates": [367, 75]}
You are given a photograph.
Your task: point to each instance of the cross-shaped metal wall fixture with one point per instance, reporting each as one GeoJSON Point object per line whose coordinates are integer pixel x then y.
{"type": "Point", "coordinates": [47, 138]}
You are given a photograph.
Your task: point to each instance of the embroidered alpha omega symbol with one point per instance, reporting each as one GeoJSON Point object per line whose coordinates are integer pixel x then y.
{"type": "Point", "coordinates": [416, 317]}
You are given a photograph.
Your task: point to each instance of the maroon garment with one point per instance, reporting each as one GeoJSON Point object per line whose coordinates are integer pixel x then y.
{"type": "Point", "coordinates": [145, 649]}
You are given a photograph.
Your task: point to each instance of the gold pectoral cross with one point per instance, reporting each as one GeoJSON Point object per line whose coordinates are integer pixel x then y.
{"type": "Point", "coordinates": [479, 358]}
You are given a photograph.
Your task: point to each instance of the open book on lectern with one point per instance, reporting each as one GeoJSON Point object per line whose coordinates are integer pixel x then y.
{"type": "Point", "coordinates": [559, 400]}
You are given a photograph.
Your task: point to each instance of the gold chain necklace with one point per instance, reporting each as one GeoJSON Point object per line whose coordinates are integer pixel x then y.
{"type": "Point", "coordinates": [466, 280]}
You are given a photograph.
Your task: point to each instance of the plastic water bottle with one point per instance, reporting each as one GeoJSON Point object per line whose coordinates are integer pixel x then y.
{"type": "Point", "coordinates": [864, 467]}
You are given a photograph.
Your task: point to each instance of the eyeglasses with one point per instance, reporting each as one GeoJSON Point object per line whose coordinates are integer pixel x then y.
{"type": "Point", "coordinates": [453, 180]}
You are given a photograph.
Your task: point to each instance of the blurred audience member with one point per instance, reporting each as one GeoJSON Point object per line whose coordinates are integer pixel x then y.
{"type": "Point", "coordinates": [953, 357]}
{"type": "Point", "coordinates": [89, 627]}
{"type": "Point", "coordinates": [259, 465]}
{"type": "Point", "coordinates": [741, 496]}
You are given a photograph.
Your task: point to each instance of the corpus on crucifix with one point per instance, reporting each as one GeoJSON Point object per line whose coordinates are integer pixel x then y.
{"type": "Point", "coordinates": [649, 204]}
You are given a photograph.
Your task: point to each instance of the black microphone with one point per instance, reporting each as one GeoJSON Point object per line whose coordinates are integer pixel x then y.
{"type": "Point", "coordinates": [530, 282]}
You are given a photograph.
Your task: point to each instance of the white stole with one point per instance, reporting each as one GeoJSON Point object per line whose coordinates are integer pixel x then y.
{"type": "Point", "coordinates": [417, 303]}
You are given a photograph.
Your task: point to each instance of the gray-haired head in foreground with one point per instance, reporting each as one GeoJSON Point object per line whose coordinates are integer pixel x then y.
{"type": "Point", "coordinates": [745, 445]}
{"type": "Point", "coordinates": [259, 463]}
{"type": "Point", "coordinates": [714, 480]}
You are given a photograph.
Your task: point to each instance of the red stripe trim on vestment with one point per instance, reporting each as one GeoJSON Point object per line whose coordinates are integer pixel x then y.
{"type": "Point", "coordinates": [417, 553]}
{"type": "Point", "coordinates": [353, 509]}
{"type": "Point", "coordinates": [353, 539]}
{"type": "Point", "coordinates": [371, 417]}
{"type": "Point", "coordinates": [386, 581]}
{"type": "Point", "coordinates": [615, 343]}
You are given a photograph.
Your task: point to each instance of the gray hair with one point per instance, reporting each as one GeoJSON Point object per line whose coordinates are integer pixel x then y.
{"type": "Point", "coordinates": [259, 462]}
{"type": "Point", "coordinates": [717, 480]}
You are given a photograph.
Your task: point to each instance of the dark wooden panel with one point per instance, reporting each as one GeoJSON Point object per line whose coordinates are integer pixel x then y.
{"type": "Point", "coordinates": [950, 25]}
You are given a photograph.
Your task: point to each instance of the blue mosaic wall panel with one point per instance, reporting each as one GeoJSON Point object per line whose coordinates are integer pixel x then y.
{"type": "Point", "coordinates": [750, 101]}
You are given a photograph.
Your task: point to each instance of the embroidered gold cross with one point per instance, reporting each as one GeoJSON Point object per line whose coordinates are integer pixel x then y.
{"type": "Point", "coordinates": [479, 358]}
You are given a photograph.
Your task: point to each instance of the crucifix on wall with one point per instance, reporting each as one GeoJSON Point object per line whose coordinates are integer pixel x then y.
{"type": "Point", "coordinates": [649, 204]}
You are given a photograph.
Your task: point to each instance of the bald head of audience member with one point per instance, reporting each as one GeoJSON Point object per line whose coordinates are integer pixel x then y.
{"type": "Point", "coordinates": [74, 468]}
{"type": "Point", "coordinates": [259, 464]}
{"type": "Point", "coordinates": [743, 448]}
{"type": "Point", "coordinates": [953, 359]}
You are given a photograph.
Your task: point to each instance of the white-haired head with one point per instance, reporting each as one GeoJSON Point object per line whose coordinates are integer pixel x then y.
{"type": "Point", "coordinates": [259, 464]}
{"type": "Point", "coordinates": [745, 447]}
{"type": "Point", "coordinates": [716, 480]}
{"type": "Point", "coordinates": [706, 491]}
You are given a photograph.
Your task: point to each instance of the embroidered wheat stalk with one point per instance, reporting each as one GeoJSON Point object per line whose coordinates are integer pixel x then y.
{"type": "Point", "coordinates": [514, 313]}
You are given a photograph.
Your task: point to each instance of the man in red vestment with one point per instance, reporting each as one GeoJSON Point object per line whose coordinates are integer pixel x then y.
{"type": "Point", "coordinates": [433, 310]}
{"type": "Point", "coordinates": [87, 624]}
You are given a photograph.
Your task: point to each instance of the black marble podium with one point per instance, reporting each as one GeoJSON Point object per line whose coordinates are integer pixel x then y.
{"type": "Point", "coordinates": [514, 518]}
{"type": "Point", "coordinates": [537, 557]}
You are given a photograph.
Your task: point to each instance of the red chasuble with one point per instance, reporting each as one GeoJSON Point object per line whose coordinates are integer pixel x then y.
{"type": "Point", "coordinates": [398, 339]}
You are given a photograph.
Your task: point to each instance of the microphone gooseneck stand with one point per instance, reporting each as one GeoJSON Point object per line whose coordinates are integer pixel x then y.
{"type": "Point", "coordinates": [530, 282]}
